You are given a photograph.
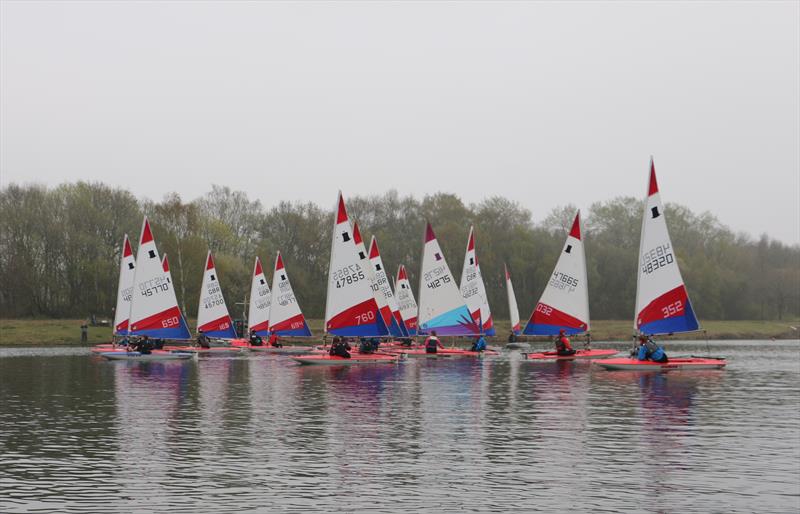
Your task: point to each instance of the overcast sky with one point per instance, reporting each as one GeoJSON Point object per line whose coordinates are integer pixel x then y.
{"type": "Point", "coordinates": [544, 103]}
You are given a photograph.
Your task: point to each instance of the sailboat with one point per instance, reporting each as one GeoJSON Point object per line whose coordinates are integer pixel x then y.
{"type": "Point", "coordinates": [473, 289]}
{"type": "Point", "coordinates": [441, 305]}
{"type": "Point", "coordinates": [377, 290]}
{"type": "Point", "coordinates": [513, 312]}
{"type": "Point", "coordinates": [127, 267]}
{"type": "Point", "coordinates": [154, 310]}
{"type": "Point", "coordinates": [260, 301]}
{"type": "Point", "coordinates": [564, 304]}
{"type": "Point", "coordinates": [285, 317]}
{"type": "Point", "coordinates": [405, 301]}
{"type": "Point", "coordinates": [350, 307]}
{"type": "Point", "coordinates": [662, 302]}
{"type": "Point", "coordinates": [397, 327]}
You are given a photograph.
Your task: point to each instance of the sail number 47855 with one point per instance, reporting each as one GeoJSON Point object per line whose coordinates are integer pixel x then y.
{"type": "Point", "coordinates": [348, 275]}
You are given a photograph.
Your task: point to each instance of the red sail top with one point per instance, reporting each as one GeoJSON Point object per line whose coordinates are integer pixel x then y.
{"type": "Point", "coordinates": [373, 248]}
{"type": "Point", "coordinates": [165, 264]}
{"type": "Point", "coordinates": [341, 215]}
{"type": "Point", "coordinates": [279, 262]}
{"type": "Point", "coordinates": [429, 235]}
{"type": "Point", "coordinates": [258, 270]}
{"type": "Point", "coordinates": [126, 247]}
{"type": "Point", "coordinates": [576, 227]}
{"type": "Point", "coordinates": [147, 236]}
{"type": "Point", "coordinates": [653, 187]}
{"type": "Point", "coordinates": [209, 262]}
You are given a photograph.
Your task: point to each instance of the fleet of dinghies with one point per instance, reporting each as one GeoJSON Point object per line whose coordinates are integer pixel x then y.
{"type": "Point", "coordinates": [362, 304]}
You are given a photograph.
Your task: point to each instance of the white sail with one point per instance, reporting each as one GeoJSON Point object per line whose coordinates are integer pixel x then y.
{"type": "Point", "coordinates": [441, 306]}
{"type": "Point", "coordinates": [662, 302]}
{"type": "Point", "coordinates": [350, 308]}
{"type": "Point", "coordinates": [564, 304]}
{"type": "Point", "coordinates": [405, 300]}
{"type": "Point", "coordinates": [260, 300]}
{"type": "Point", "coordinates": [213, 318]}
{"type": "Point", "coordinates": [513, 310]}
{"type": "Point", "coordinates": [127, 270]}
{"type": "Point", "coordinates": [154, 307]}
{"type": "Point", "coordinates": [285, 316]}
{"type": "Point", "coordinates": [382, 281]}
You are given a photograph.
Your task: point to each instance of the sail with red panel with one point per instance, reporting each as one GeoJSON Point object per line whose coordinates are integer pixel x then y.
{"type": "Point", "coordinates": [513, 310]}
{"type": "Point", "coordinates": [260, 301]}
{"type": "Point", "coordinates": [564, 304]}
{"type": "Point", "coordinates": [396, 326]}
{"type": "Point", "coordinates": [662, 303]}
{"type": "Point", "coordinates": [405, 301]}
{"type": "Point", "coordinates": [154, 307]}
{"type": "Point", "coordinates": [441, 305]}
{"type": "Point", "coordinates": [213, 318]}
{"type": "Point", "coordinates": [377, 290]}
{"type": "Point", "coordinates": [350, 306]}
{"type": "Point", "coordinates": [285, 316]}
{"type": "Point", "coordinates": [127, 271]}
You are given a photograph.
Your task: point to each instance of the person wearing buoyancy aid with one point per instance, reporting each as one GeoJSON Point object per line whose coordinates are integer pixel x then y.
{"type": "Point", "coordinates": [255, 339]}
{"type": "Point", "coordinates": [563, 348]}
{"type": "Point", "coordinates": [202, 340]}
{"type": "Point", "coordinates": [340, 348]}
{"type": "Point", "coordinates": [274, 342]}
{"type": "Point", "coordinates": [479, 345]}
{"type": "Point", "coordinates": [432, 343]}
{"type": "Point", "coordinates": [365, 346]}
{"type": "Point", "coordinates": [649, 350]}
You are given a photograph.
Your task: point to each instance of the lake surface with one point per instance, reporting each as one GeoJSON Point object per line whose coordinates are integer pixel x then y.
{"type": "Point", "coordinates": [81, 434]}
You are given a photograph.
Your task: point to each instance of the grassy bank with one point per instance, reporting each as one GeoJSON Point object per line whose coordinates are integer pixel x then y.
{"type": "Point", "coordinates": [66, 332]}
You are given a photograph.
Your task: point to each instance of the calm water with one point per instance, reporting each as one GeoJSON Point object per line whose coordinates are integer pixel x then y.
{"type": "Point", "coordinates": [248, 433]}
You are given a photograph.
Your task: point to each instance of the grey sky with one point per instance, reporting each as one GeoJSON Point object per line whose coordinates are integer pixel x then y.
{"type": "Point", "coordinates": [544, 103]}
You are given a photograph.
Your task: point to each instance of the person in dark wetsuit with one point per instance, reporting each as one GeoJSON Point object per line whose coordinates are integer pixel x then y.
{"type": "Point", "coordinates": [512, 337]}
{"type": "Point", "coordinates": [158, 344]}
{"type": "Point", "coordinates": [143, 346]}
{"type": "Point", "coordinates": [340, 348]}
{"type": "Point", "coordinates": [479, 345]}
{"type": "Point", "coordinates": [649, 350]}
{"type": "Point", "coordinates": [365, 346]}
{"type": "Point", "coordinates": [432, 343]}
{"type": "Point", "coordinates": [202, 340]}
{"type": "Point", "coordinates": [255, 339]}
{"type": "Point", "coordinates": [563, 348]}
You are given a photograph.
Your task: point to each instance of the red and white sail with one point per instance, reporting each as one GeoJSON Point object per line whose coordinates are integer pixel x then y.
{"type": "Point", "coordinates": [396, 327]}
{"type": "Point", "coordinates": [351, 308]}
{"type": "Point", "coordinates": [564, 304]}
{"type": "Point", "coordinates": [662, 302]}
{"type": "Point", "coordinates": [377, 292]}
{"type": "Point", "coordinates": [513, 310]}
{"type": "Point", "coordinates": [260, 300]}
{"type": "Point", "coordinates": [154, 307]}
{"type": "Point", "coordinates": [441, 305]}
{"type": "Point", "coordinates": [165, 264]}
{"type": "Point", "coordinates": [405, 300]}
{"type": "Point", "coordinates": [473, 289]}
{"type": "Point", "coordinates": [213, 318]}
{"type": "Point", "coordinates": [127, 270]}
{"type": "Point", "coordinates": [285, 316]}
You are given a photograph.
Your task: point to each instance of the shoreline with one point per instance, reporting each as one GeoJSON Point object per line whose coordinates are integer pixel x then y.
{"type": "Point", "coordinates": [66, 332]}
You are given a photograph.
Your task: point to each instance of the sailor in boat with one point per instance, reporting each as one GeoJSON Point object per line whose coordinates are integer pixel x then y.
{"type": "Point", "coordinates": [274, 342]}
{"type": "Point", "coordinates": [255, 339]}
{"type": "Point", "coordinates": [158, 344]}
{"type": "Point", "coordinates": [512, 337]}
{"type": "Point", "coordinates": [202, 340]}
{"type": "Point", "coordinates": [563, 348]}
{"type": "Point", "coordinates": [650, 351]}
{"type": "Point", "coordinates": [365, 345]}
{"type": "Point", "coordinates": [406, 341]}
{"type": "Point", "coordinates": [479, 345]}
{"type": "Point", "coordinates": [432, 343]}
{"type": "Point", "coordinates": [142, 345]}
{"type": "Point", "coordinates": [340, 348]}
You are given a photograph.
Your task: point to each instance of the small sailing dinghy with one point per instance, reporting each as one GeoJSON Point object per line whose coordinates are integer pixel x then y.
{"type": "Point", "coordinates": [405, 301]}
{"type": "Point", "coordinates": [285, 316]}
{"type": "Point", "coordinates": [662, 302]}
{"type": "Point", "coordinates": [513, 313]}
{"type": "Point", "coordinates": [154, 310]}
{"type": "Point", "coordinates": [441, 304]}
{"type": "Point", "coordinates": [397, 327]}
{"type": "Point", "coordinates": [351, 309]}
{"type": "Point", "coordinates": [473, 290]}
{"type": "Point", "coordinates": [213, 319]}
{"type": "Point", "coordinates": [564, 304]}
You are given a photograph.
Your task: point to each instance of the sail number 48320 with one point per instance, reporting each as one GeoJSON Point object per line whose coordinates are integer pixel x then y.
{"type": "Point", "coordinates": [656, 258]}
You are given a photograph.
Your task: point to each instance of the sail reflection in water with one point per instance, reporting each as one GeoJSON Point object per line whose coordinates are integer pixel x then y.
{"type": "Point", "coordinates": [257, 432]}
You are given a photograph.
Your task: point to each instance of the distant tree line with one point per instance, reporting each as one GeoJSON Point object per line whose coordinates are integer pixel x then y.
{"type": "Point", "coordinates": [60, 247]}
